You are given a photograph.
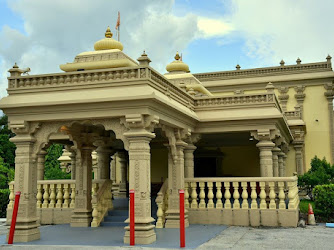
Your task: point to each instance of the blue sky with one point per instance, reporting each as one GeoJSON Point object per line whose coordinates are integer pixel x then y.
{"type": "Point", "coordinates": [212, 35]}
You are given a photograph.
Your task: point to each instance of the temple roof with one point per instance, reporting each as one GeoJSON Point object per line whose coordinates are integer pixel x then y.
{"type": "Point", "coordinates": [177, 66]}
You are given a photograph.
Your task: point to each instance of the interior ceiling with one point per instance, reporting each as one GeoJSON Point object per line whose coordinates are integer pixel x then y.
{"type": "Point", "coordinates": [226, 140]}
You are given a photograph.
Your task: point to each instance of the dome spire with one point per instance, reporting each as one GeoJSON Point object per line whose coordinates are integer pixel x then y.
{"type": "Point", "coordinates": [178, 66]}
{"type": "Point", "coordinates": [108, 33]}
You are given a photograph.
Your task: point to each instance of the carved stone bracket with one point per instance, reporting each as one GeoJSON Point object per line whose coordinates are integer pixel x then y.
{"type": "Point", "coordinates": [265, 134]}
{"type": "Point", "coordinates": [283, 97]}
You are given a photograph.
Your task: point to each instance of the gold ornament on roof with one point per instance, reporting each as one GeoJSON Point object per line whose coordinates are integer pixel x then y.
{"type": "Point", "coordinates": [108, 42]}
{"type": "Point", "coordinates": [178, 65]}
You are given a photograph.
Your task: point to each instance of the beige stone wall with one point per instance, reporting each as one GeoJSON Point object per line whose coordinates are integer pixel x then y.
{"type": "Point", "coordinates": [290, 162]}
{"type": "Point", "coordinates": [241, 161]}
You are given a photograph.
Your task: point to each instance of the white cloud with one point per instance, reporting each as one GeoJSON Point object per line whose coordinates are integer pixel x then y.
{"type": "Point", "coordinates": [209, 27]}
{"type": "Point", "coordinates": [284, 29]}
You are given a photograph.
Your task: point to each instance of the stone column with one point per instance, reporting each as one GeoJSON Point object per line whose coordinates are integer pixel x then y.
{"type": "Point", "coordinates": [123, 170]}
{"type": "Point", "coordinates": [298, 146]}
{"type": "Point", "coordinates": [113, 168]}
{"type": "Point", "coordinates": [281, 164]}
{"type": "Point", "coordinates": [175, 183]}
{"type": "Point", "coordinates": [41, 164]}
{"type": "Point", "coordinates": [300, 96]}
{"type": "Point", "coordinates": [189, 161]}
{"type": "Point", "coordinates": [73, 162]}
{"type": "Point", "coordinates": [266, 158]}
{"type": "Point", "coordinates": [82, 214]}
{"type": "Point", "coordinates": [27, 223]}
{"type": "Point", "coordinates": [284, 164]}
{"type": "Point", "coordinates": [276, 151]}
{"type": "Point", "coordinates": [329, 95]}
{"type": "Point", "coordinates": [103, 162]}
{"type": "Point", "coordinates": [140, 181]}
{"type": "Point", "coordinates": [283, 97]}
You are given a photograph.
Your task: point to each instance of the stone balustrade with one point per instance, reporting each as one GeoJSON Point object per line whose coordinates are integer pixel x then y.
{"type": "Point", "coordinates": [255, 201]}
{"type": "Point", "coordinates": [293, 115]}
{"type": "Point", "coordinates": [286, 69]}
{"type": "Point", "coordinates": [162, 203]}
{"type": "Point", "coordinates": [55, 200]}
{"type": "Point", "coordinates": [101, 201]}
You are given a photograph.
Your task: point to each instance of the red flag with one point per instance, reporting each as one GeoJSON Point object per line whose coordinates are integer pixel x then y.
{"type": "Point", "coordinates": [118, 23]}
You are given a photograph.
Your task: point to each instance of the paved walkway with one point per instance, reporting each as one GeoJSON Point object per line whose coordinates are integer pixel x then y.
{"type": "Point", "coordinates": [198, 236]}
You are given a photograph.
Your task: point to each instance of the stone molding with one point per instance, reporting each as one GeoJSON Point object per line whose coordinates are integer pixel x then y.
{"type": "Point", "coordinates": [329, 94]}
{"type": "Point", "coordinates": [286, 69]}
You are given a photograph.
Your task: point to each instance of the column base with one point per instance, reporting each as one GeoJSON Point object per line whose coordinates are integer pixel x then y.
{"type": "Point", "coordinates": [81, 219]}
{"type": "Point", "coordinates": [25, 233]}
{"type": "Point", "coordinates": [173, 220]}
{"type": "Point", "coordinates": [144, 234]}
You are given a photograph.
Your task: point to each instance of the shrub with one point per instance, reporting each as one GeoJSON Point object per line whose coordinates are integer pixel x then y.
{"type": "Point", "coordinates": [321, 172]}
{"type": "Point", "coordinates": [4, 200]}
{"type": "Point", "coordinates": [324, 200]}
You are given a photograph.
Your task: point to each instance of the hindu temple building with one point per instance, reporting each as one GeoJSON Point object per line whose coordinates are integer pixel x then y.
{"type": "Point", "coordinates": [235, 141]}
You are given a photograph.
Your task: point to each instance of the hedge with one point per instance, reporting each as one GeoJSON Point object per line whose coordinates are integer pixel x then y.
{"type": "Point", "coordinates": [324, 200]}
{"type": "Point", "coordinates": [4, 200]}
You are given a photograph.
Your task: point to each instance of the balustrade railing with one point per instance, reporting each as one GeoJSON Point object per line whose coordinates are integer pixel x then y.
{"type": "Point", "coordinates": [162, 203]}
{"type": "Point", "coordinates": [101, 201]}
{"type": "Point", "coordinates": [242, 193]}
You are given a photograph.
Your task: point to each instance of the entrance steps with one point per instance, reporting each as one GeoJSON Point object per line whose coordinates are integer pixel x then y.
{"type": "Point", "coordinates": [117, 216]}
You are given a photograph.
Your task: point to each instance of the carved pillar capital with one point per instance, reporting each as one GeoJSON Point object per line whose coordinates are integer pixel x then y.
{"type": "Point", "coordinates": [283, 97]}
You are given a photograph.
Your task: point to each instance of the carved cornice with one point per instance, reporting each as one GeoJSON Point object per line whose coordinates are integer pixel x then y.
{"type": "Point", "coordinates": [329, 93]}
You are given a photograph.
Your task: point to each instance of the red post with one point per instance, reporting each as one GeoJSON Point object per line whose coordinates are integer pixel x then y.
{"type": "Point", "coordinates": [12, 225]}
{"type": "Point", "coordinates": [182, 226]}
{"type": "Point", "coordinates": [132, 217]}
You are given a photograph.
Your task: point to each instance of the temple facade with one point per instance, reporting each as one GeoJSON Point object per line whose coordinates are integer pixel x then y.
{"type": "Point", "coordinates": [235, 141]}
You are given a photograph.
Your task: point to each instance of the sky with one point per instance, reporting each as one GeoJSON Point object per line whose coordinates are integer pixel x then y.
{"type": "Point", "coordinates": [212, 35]}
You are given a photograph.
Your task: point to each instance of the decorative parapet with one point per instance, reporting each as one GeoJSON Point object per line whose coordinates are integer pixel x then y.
{"type": "Point", "coordinates": [293, 115]}
{"type": "Point", "coordinates": [284, 69]}
{"type": "Point", "coordinates": [48, 82]}
{"type": "Point", "coordinates": [237, 100]}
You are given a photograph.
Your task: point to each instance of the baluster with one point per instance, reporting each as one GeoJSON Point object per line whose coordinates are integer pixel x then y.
{"type": "Point", "coordinates": [281, 195]}
{"type": "Point", "coordinates": [227, 195]}
{"type": "Point", "coordinates": [272, 195]}
{"type": "Point", "coordinates": [263, 204]}
{"type": "Point", "coordinates": [236, 195]}
{"type": "Point", "coordinates": [66, 196]}
{"type": "Point", "coordinates": [59, 196]}
{"type": "Point", "coordinates": [210, 195]}
{"type": "Point", "coordinates": [46, 196]}
{"type": "Point", "coordinates": [219, 195]}
{"type": "Point", "coordinates": [253, 195]}
{"type": "Point", "coordinates": [292, 195]}
{"type": "Point", "coordinates": [95, 215]}
{"type": "Point", "coordinates": [72, 205]}
{"type": "Point", "coordinates": [52, 195]}
{"type": "Point", "coordinates": [39, 196]}
{"type": "Point", "coordinates": [160, 213]}
{"type": "Point", "coordinates": [194, 203]}
{"type": "Point", "coordinates": [11, 196]}
{"type": "Point", "coordinates": [186, 195]}
{"type": "Point", "coordinates": [244, 195]}
{"type": "Point", "coordinates": [202, 195]}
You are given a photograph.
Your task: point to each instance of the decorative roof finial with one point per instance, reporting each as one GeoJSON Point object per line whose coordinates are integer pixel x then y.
{"type": "Point", "coordinates": [15, 66]}
{"type": "Point", "coordinates": [108, 33]}
{"type": "Point", "coordinates": [177, 56]}
{"type": "Point", "coordinates": [143, 59]}
{"type": "Point", "coordinates": [328, 58]}
{"type": "Point", "coordinates": [298, 61]}
{"type": "Point", "coordinates": [282, 62]}
{"type": "Point", "coordinates": [238, 67]}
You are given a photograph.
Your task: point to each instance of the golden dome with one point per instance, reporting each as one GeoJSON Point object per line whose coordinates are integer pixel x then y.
{"type": "Point", "coordinates": [108, 42]}
{"type": "Point", "coordinates": [177, 65]}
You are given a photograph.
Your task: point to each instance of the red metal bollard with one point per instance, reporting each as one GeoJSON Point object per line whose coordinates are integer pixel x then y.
{"type": "Point", "coordinates": [12, 225]}
{"type": "Point", "coordinates": [182, 226]}
{"type": "Point", "coordinates": [132, 217]}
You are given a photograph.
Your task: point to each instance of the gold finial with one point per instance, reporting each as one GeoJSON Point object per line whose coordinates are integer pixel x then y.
{"type": "Point", "coordinates": [177, 56]}
{"type": "Point", "coordinates": [15, 66]}
{"type": "Point", "coordinates": [108, 33]}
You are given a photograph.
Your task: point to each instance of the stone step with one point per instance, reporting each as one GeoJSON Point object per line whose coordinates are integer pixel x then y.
{"type": "Point", "coordinates": [118, 212]}
{"type": "Point", "coordinates": [113, 224]}
{"type": "Point", "coordinates": [115, 218]}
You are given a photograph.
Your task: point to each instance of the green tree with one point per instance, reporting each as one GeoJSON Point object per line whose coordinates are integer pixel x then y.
{"type": "Point", "coordinates": [52, 169]}
{"type": "Point", "coordinates": [7, 148]}
{"type": "Point", "coordinates": [6, 174]}
{"type": "Point", "coordinates": [321, 172]}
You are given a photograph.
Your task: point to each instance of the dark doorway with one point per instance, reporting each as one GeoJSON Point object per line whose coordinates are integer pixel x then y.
{"type": "Point", "coordinates": [205, 167]}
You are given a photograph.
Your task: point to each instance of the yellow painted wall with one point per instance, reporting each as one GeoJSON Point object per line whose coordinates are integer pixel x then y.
{"type": "Point", "coordinates": [317, 139]}
{"type": "Point", "coordinates": [290, 162]}
{"type": "Point", "coordinates": [241, 161]}
{"type": "Point", "coordinates": [292, 102]}
{"type": "Point", "coordinates": [159, 165]}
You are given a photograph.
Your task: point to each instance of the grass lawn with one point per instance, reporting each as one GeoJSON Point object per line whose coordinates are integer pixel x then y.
{"type": "Point", "coordinates": [303, 205]}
